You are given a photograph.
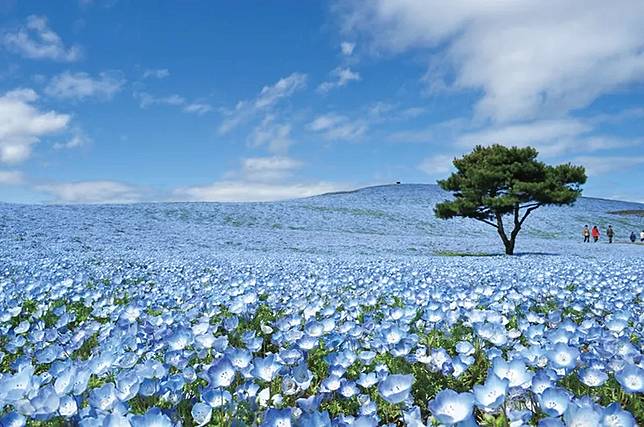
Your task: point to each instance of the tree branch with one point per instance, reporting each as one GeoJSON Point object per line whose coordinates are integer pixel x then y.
{"type": "Point", "coordinates": [527, 212]}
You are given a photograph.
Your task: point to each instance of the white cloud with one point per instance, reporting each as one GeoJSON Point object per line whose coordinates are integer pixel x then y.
{"type": "Point", "coordinates": [283, 88]}
{"type": "Point", "coordinates": [11, 177]}
{"type": "Point", "coordinates": [262, 169]}
{"type": "Point", "coordinates": [438, 164]}
{"type": "Point", "coordinates": [22, 125]}
{"type": "Point", "coordinates": [36, 40]}
{"type": "Point", "coordinates": [146, 100]}
{"type": "Point", "coordinates": [80, 85]}
{"type": "Point", "coordinates": [92, 192]}
{"type": "Point", "coordinates": [338, 127]}
{"type": "Point", "coordinates": [549, 137]}
{"type": "Point", "coordinates": [342, 76]}
{"type": "Point", "coordinates": [78, 139]}
{"type": "Point", "coordinates": [347, 48]}
{"type": "Point", "coordinates": [276, 136]}
{"type": "Point", "coordinates": [529, 58]}
{"type": "Point", "coordinates": [239, 191]}
{"type": "Point", "coordinates": [157, 73]}
{"type": "Point", "coordinates": [600, 165]}
{"type": "Point", "coordinates": [267, 98]}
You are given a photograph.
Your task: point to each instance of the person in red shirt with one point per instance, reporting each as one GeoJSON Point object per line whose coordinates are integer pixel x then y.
{"type": "Point", "coordinates": [595, 233]}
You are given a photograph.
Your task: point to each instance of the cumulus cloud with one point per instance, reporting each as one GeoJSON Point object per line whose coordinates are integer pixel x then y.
{"type": "Point", "coordinates": [22, 124]}
{"type": "Point", "coordinates": [341, 77]}
{"type": "Point", "coordinates": [238, 191]}
{"type": "Point", "coordinates": [275, 136]}
{"type": "Point", "coordinates": [157, 73]}
{"type": "Point", "coordinates": [267, 98]}
{"type": "Point", "coordinates": [338, 127]}
{"type": "Point", "coordinates": [9, 177]}
{"type": "Point", "coordinates": [91, 192]}
{"type": "Point", "coordinates": [600, 165]}
{"type": "Point", "coordinates": [81, 85]}
{"type": "Point", "coordinates": [529, 59]}
{"type": "Point", "coordinates": [262, 169]}
{"type": "Point", "coordinates": [77, 139]}
{"type": "Point", "coordinates": [549, 137]}
{"type": "Point", "coordinates": [347, 48]}
{"type": "Point", "coordinates": [35, 40]}
{"type": "Point", "coordinates": [146, 100]}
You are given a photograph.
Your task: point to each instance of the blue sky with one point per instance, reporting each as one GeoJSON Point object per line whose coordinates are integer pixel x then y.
{"type": "Point", "coordinates": [123, 101]}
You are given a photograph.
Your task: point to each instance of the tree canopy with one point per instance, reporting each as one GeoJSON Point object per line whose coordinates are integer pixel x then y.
{"type": "Point", "coordinates": [495, 181]}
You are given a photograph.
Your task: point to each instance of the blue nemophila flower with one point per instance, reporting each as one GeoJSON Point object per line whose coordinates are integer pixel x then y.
{"type": "Point", "coordinates": [152, 418]}
{"type": "Point", "coordinates": [515, 372]}
{"type": "Point", "coordinates": [540, 382]}
{"type": "Point", "coordinates": [491, 394]}
{"type": "Point", "coordinates": [67, 406]}
{"type": "Point", "coordinates": [554, 401]}
{"type": "Point", "coordinates": [396, 388]}
{"type": "Point", "coordinates": [302, 376]}
{"type": "Point", "coordinates": [14, 387]}
{"type": "Point", "coordinates": [201, 413]}
{"type": "Point", "coordinates": [614, 416]}
{"type": "Point", "coordinates": [330, 384]}
{"type": "Point", "coordinates": [450, 407]}
{"type": "Point", "coordinates": [315, 419]}
{"type": "Point", "coordinates": [13, 419]}
{"type": "Point", "coordinates": [551, 422]}
{"type": "Point", "coordinates": [265, 368]}
{"type": "Point", "coordinates": [277, 418]}
{"type": "Point", "coordinates": [593, 377]}
{"type": "Point", "coordinates": [239, 358]}
{"type": "Point", "coordinates": [582, 416]}
{"type": "Point", "coordinates": [221, 373]}
{"type": "Point", "coordinates": [112, 420]}
{"type": "Point", "coordinates": [367, 380]}
{"type": "Point", "coordinates": [216, 397]}
{"type": "Point", "coordinates": [104, 397]}
{"type": "Point", "coordinates": [563, 356]}
{"type": "Point", "coordinates": [631, 378]}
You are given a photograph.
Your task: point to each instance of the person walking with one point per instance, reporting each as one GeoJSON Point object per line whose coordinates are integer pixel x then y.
{"type": "Point", "coordinates": [595, 234]}
{"type": "Point", "coordinates": [586, 233]}
{"type": "Point", "coordinates": [642, 236]}
{"type": "Point", "coordinates": [610, 233]}
{"type": "Point", "coordinates": [633, 237]}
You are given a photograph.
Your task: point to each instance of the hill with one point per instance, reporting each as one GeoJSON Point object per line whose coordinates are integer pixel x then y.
{"type": "Point", "coordinates": [391, 220]}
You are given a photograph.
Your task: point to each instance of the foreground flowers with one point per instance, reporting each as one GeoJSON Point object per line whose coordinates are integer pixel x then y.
{"type": "Point", "coordinates": [310, 344]}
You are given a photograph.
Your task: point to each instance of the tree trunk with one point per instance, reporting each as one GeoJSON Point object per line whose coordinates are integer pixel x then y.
{"type": "Point", "coordinates": [509, 247]}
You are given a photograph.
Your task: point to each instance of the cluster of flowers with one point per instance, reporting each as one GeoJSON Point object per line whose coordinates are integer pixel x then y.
{"type": "Point", "coordinates": [454, 342]}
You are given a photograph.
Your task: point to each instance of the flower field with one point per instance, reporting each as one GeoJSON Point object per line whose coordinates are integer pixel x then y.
{"type": "Point", "coordinates": [164, 315]}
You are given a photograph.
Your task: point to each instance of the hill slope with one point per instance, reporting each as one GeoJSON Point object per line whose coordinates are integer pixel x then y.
{"type": "Point", "coordinates": [395, 220]}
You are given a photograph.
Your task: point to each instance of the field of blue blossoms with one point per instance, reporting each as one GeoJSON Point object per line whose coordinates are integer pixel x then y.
{"type": "Point", "coordinates": [352, 309]}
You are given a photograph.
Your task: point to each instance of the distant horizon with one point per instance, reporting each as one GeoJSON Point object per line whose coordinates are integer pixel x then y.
{"type": "Point", "coordinates": [257, 101]}
{"type": "Point", "coordinates": [331, 193]}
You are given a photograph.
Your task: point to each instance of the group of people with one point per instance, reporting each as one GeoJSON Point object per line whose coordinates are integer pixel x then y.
{"type": "Point", "coordinates": [610, 233]}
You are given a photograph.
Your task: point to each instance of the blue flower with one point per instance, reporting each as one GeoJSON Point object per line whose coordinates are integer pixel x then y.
{"type": "Point", "coordinates": [492, 394]}
{"type": "Point", "coordinates": [592, 377]}
{"type": "Point", "coordinates": [631, 378]}
{"type": "Point", "coordinates": [554, 401]}
{"type": "Point", "coordinates": [104, 397]}
{"type": "Point", "coordinates": [277, 418]}
{"type": "Point", "coordinates": [396, 388]}
{"type": "Point", "coordinates": [582, 416]}
{"type": "Point", "coordinates": [563, 356]}
{"type": "Point", "coordinates": [201, 413]}
{"type": "Point", "coordinates": [449, 407]}
{"type": "Point", "coordinates": [515, 372]}
{"type": "Point", "coordinates": [216, 397]}
{"type": "Point", "coordinates": [266, 368]}
{"type": "Point", "coordinates": [152, 418]}
{"type": "Point", "coordinates": [615, 416]}
{"type": "Point", "coordinates": [13, 419]}
{"type": "Point", "coordinates": [221, 373]}
{"type": "Point", "coordinates": [315, 419]}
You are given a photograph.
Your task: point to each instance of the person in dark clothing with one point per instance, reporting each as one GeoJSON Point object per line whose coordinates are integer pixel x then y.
{"type": "Point", "coordinates": [633, 237]}
{"type": "Point", "coordinates": [586, 233]}
{"type": "Point", "coordinates": [595, 233]}
{"type": "Point", "coordinates": [610, 233]}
